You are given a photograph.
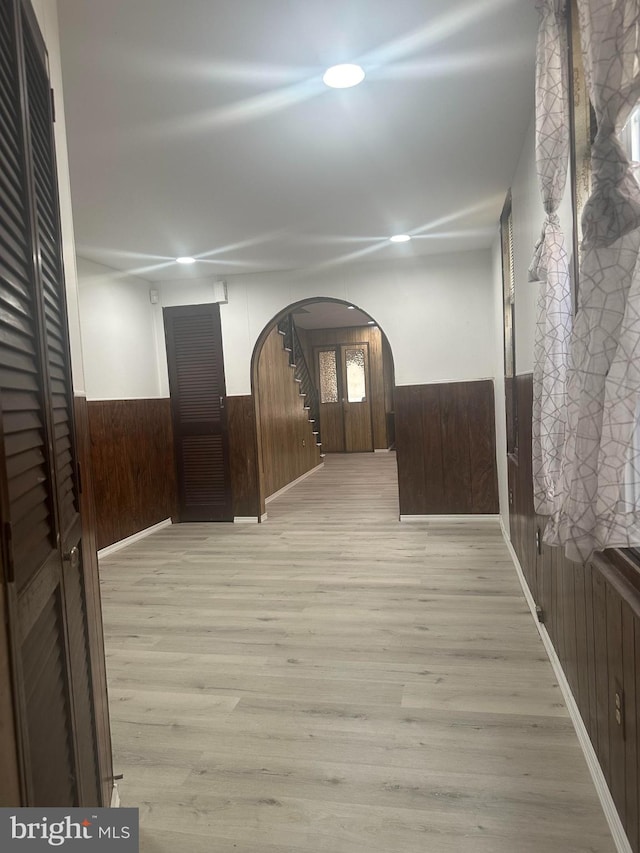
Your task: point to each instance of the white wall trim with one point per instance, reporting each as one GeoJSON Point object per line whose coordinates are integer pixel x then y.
{"type": "Point", "coordinates": [448, 381]}
{"type": "Point", "coordinates": [293, 483]}
{"type": "Point", "coordinates": [263, 517]}
{"type": "Point", "coordinates": [142, 534]}
{"type": "Point", "coordinates": [127, 399]}
{"type": "Point", "coordinates": [382, 450]}
{"type": "Point", "coordinates": [448, 519]}
{"type": "Point", "coordinates": [245, 519]}
{"type": "Point", "coordinates": [602, 789]}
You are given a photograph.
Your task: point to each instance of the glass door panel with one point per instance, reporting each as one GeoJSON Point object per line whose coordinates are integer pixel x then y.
{"type": "Point", "coordinates": [328, 373]}
{"type": "Point", "coordinates": [356, 375]}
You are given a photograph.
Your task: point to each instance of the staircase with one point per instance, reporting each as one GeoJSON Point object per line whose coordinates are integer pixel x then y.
{"type": "Point", "coordinates": [302, 374]}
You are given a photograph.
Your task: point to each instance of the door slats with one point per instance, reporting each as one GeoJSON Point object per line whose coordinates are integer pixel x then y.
{"type": "Point", "coordinates": [196, 377]}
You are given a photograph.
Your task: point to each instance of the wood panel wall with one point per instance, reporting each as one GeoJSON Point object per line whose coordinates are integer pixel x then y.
{"type": "Point", "coordinates": [445, 443]}
{"type": "Point", "coordinates": [244, 457]}
{"type": "Point", "coordinates": [592, 614]}
{"type": "Point", "coordinates": [287, 445]}
{"type": "Point", "coordinates": [355, 335]}
{"type": "Point", "coordinates": [132, 460]}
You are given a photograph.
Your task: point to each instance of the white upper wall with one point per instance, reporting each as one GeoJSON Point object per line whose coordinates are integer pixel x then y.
{"type": "Point", "coordinates": [118, 334]}
{"type": "Point", "coordinates": [47, 15]}
{"type": "Point", "coordinates": [436, 311]}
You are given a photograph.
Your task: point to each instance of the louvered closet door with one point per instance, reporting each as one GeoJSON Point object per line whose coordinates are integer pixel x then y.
{"type": "Point", "coordinates": [41, 523]}
{"type": "Point", "coordinates": [197, 385]}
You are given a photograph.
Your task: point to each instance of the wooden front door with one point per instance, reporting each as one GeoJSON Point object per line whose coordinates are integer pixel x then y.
{"type": "Point", "coordinates": [330, 399]}
{"type": "Point", "coordinates": [39, 486]}
{"type": "Point", "coordinates": [345, 402]}
{"type": "Point", "coordinates": [356, 400]}
{"type": "Point", "coordinates": [198, 392]}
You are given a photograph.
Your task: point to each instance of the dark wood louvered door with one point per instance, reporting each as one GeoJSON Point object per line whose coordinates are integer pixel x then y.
{"type": "Point", "coordinates": [197, 386]}
{"type": "Point", "coordinates": [39, 494]}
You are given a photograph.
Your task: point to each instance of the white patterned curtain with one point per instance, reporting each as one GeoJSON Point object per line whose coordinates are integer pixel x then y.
{"type": "Point", "coordinates": [550, 265]}
{"type": "Point", "coordinates": [598, 500]}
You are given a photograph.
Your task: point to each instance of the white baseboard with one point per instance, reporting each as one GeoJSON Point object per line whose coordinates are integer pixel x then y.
{"type": "Point", "coordinates": [602, 789]}
{"type": "Point", "coordinates": [115, 797]}
{"type": "Point", "coordinates": [142, 534]}
{"type": "Point", "coordinates": [451, 519]}
{"type": "Point", "coordinates": [263, 517]}
{"type": "Point", "coordinates": [382, 450]}
{"type": "Point", "coordinates": [293, 483]}
{"type": "Point", "coordinates": [245, 519]}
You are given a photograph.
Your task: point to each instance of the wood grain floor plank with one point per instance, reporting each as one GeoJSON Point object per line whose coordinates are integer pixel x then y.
{"type": "Point", "coordinates": [333, 680]}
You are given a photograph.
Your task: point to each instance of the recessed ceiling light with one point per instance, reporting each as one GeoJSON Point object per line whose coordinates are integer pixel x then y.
{"type": "Point", "coordinates": [400, 238]}
{"type": "Point", "coordinates": [343, 76]}
{"type": "Point", "coordinates": [185, 260]}
{"type": "Point", "coordinates": [371, 322]}
{"type": "Point", "coordinates": [351, 307]}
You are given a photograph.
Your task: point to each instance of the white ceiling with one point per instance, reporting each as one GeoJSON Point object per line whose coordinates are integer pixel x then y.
{"type": "Point", "coordinates": [202, 127]}
{"type": "Point", "coordinates": [329, 315]}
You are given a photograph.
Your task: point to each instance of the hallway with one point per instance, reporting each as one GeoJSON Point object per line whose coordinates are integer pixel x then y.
{"type": "Point", "coordinates": [335, 681]}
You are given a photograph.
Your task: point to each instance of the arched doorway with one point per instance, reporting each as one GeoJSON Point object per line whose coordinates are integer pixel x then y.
{"type": "Point", "coordinates": [322, 377]}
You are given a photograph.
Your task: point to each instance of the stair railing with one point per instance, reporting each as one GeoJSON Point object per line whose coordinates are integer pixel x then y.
{"type": "Point", "coordinates": [291, 342]}
{"type": "Point", "coordinates": [307, 385]}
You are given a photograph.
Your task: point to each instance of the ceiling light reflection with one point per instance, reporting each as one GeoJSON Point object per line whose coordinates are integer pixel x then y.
{"type": "Point", "coordinates": [343, 76]}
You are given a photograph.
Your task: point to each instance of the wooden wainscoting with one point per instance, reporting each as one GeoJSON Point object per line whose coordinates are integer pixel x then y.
{"type": "Point", "coordinates": [132, 460]}
{"type": "Point", "coordinates": [288, 446]}
{"type": "Point", "coordinates": [445, 441]}
{"type": "Point", "coordinates": [592, 615]}
{"type": "Point", "coordinates": [244, 457]}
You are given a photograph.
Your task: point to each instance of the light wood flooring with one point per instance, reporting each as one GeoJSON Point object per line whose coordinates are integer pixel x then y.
{"type": "Point", "coordinates": [333, 680]}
